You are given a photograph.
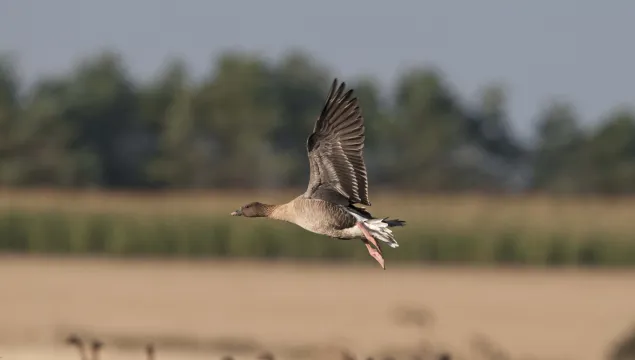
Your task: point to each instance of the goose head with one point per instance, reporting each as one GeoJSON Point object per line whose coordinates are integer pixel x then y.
{"type": "Point", "coordinates": [253, 209]}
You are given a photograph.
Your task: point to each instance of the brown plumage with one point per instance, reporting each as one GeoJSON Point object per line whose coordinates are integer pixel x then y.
{"type": "Point", "coordinates": [337, 181]}
{"type": "Point", "coordinates": [335, 149]}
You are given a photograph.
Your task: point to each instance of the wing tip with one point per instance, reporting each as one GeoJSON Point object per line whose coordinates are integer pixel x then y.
{"type": "Point", "coordinates": [339, 89]}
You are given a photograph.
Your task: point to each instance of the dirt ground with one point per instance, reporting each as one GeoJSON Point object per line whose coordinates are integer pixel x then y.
{"type": "Point", "coordinates": [243, 307]}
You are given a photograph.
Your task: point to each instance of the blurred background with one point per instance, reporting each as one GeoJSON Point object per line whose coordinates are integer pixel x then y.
{"type": "Point", "coordinates": [504, 134]}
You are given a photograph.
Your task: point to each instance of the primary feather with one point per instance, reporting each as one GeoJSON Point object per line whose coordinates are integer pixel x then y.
{"type": "Point", "coordinates": [335, 151]}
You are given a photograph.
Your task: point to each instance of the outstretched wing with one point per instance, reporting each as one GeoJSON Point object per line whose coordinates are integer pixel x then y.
{"type": "Point", "coordinates": [335, 149]}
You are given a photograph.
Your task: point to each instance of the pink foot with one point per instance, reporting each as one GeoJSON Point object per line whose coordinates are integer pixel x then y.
{"type": "Point", "coordinates": [375, 251]}
{"type": "Point", "coordinates": [375, 254]}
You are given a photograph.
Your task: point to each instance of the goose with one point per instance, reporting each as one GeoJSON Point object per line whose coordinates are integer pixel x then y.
{"type": "Point", "coordinates": [95, 346]}
{"type": "Point", "coordinates": [337, 181]}
{"type": "Point", "coordinates": [77, 342]}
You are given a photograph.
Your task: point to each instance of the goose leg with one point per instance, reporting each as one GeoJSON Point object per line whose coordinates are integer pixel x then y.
{"type": "Point", "coordinates": [369, 241]}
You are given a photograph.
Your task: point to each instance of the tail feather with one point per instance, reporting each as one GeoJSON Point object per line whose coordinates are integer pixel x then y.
{"type": "Point", "coordinates": [395, 222]}
{"type": "Point", "coordinates": [378, 228]}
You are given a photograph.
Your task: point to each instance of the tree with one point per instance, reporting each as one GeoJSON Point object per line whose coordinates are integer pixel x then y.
{"type": "Point", "coordinates": [102, 107]}
{"type": "Point", "coordinates": [46, 140]}
{"type": "Point", "coordinates": [429, 124]}
{"type": "Point", "coordinates": [10, 110]}
{"type": "Point", "coordinates": [491, 157]}
{"type": "Point", "coordinates": [612, 154]}
{"type": "Point", "coordinates": [301, 85]}
{"type": "Point", "coordinates": [237, 103]}
{"type": "Point", "coordinates": [183, 150]}
{"type": "Point", "coordinates": [245, 125]}
{"type": "Point", "coordinates": [559, 163]}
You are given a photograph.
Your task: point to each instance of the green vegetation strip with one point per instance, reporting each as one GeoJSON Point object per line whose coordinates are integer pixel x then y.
{"type": "Point", "coordinates": [41, 232]}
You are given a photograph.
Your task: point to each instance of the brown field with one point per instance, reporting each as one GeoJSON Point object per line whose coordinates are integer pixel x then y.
{"type": "Point", "coordinates": [195, 309]}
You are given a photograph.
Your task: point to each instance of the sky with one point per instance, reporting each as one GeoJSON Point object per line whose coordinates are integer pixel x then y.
{"type": "Point", "coordinates": [575, 50]}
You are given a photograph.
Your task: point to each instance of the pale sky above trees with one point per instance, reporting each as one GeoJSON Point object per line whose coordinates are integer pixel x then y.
{"type": "Point", "coordinates": [580, 50]}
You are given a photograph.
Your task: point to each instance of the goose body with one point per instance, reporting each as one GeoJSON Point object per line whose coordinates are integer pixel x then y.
{"type": "Point", "coordinates": [337, 181]}
{"type": "Point", "coordinates": [328, 219]}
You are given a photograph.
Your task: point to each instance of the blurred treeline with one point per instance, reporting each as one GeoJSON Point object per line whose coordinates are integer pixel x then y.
{"type": "Point", "coordinates": [245, 123]}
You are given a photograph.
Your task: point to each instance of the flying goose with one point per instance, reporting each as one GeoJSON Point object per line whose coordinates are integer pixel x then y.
{"type": "Point", "coordinates": [337, 181]}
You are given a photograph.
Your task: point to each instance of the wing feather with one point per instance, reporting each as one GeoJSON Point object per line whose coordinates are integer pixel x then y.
{"type": "Point", "coordinates": [335, 150]}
